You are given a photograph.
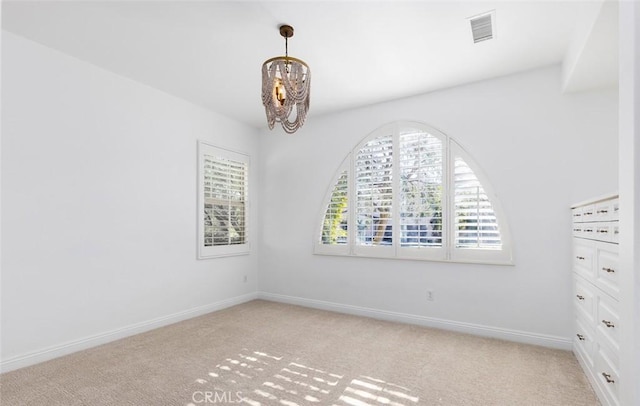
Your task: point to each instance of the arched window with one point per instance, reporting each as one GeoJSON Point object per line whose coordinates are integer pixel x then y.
{"type": "Point", "coordinates": [410, 191]}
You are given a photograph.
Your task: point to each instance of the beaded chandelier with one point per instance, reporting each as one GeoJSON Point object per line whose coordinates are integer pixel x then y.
{"type": "Point", "coordinates": [285, 88]}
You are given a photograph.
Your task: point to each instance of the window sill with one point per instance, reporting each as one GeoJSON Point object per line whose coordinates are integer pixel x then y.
{"type": "Point", "coordinates": [224, 253]}
{"type": "Point", "coordinates": [455, 261]}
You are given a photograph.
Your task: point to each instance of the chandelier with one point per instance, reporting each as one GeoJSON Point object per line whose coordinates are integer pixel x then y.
{"type": "Point", "coordinates": [285, 88]}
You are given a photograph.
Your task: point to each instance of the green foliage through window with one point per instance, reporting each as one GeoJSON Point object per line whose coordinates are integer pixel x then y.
{"type": "Point", "coordinates": [334, 227]}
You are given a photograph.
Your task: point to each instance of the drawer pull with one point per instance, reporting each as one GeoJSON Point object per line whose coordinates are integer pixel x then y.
{"type": "Point", "coordinates": [580, 297]}
{"type": "Point", "coordinates": [580, 337]}
{"type": "Point", "coordinates": [607, 377]}
{"type": "Point", "coordinates": [588, 213]}
{"type": "Point", "coordinates": [609, 270]}
{"type": "Point", "coordinates": [616, 232]}
{"type": "Point", "coordinates": [588, 230]}
{"type": "Point", "coordinates": [603, 231]}
{"type": "Point", "coordinates": [602, 211]}
{"type": "Point", "coordinates": [580, 258]}
{"type": "Point", "coordinates": [577, 215]}
{"type": "Point", "coordinates": [577, 229]}
{"type": "Point", "coordinates": [608, 323]}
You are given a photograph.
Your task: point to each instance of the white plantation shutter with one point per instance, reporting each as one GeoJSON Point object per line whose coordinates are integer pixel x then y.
{"type": "Point", "coordinates": [421, 160]}
{"type": "Point", "coordinates": [334, 224]}
{"type": "Point", "coordinates": [223, 202]}
{"type": "Point", "coordinates": [475, 221]}
{"type": "Point", "coordinates": [374, 192]}
{"type": "Point", "coordinates": [413, 193]}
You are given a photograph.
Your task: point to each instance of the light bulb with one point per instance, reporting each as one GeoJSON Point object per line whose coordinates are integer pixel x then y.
{"type": "Point", "coordinates": [279, 92]}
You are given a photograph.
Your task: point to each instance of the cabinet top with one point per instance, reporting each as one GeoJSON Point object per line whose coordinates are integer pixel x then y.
{"type": "Point", "coordinates": [595, 200]}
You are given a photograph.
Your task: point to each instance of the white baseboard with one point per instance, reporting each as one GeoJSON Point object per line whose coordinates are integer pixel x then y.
{"type": "Point", "coordinates": [46, 354]}
{"type": "Point", "coordinates": [462, 327]}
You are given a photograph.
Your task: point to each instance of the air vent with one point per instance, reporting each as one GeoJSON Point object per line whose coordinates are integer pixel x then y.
{"type": "Point", "coordinates": [482, 26]}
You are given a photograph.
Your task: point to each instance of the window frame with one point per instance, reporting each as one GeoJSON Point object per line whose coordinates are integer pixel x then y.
{"type": "Point", "coordinates": [216, 251]}
{"type": "Point", "coordinates": [448, 252]}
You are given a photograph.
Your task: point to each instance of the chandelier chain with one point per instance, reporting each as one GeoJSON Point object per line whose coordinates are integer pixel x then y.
{"type": "Point", "coordinates": [286, 54]}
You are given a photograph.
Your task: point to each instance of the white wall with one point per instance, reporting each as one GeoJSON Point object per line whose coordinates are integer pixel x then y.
{"type": "Point", "coordinates": [541, 150]}
{"type": "Point", "coordinates": [629, 169]}
{"type": "Point", "coordinates": [99, 206]}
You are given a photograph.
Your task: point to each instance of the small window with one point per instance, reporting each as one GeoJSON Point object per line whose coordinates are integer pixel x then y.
{"type": "Point", "coordinates": [223, 191]}
{"type": "Point", "coordinates": [415, 194]}
{"type": "Point", "coordinates": [335, 226]}
{"type": "Point", "coordinates": [476, 224]}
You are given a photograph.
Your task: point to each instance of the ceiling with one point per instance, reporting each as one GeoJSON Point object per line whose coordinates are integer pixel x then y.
{"type": "Point", "coordinates": [360, 52]}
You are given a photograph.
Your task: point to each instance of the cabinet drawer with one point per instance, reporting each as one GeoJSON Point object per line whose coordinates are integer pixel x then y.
{"type": "Point", "coordinates": [606, 211]}
{"type": "Point", "coordinates": [589, 231]}
{"type": "Point", "coordinates": [584, 340]}
{"type": "Point", "coordinates": [583, 258]}
{"type": "Point", "coordinates": [604, 231]}
{"type": "Point", "coordinates": [615, 206]}
{"type": "Point", "coordinates": [606, 372]}
{"type": "Point", "coordinates": [615, 236]}
{"type": "Point", "coordinates": [608, 321]}
{"type": "Point", "coordinates": [607, 272]}
{"type": "Point", "coordinates": [589, 213]}
{"type": "Point", "coordinates": [584, 299]}
{"type": "Point", "coordinates": [576, 214]}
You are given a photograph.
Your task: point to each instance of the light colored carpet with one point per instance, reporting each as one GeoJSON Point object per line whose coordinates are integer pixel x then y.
{"type": "Point", "coordinates": [264, 353]}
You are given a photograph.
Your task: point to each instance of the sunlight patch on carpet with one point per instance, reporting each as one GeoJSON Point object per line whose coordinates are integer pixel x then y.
{"type": "Point", "coordinates": [257, 378]}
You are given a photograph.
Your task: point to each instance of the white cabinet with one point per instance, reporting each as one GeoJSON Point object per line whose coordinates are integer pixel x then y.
{"type": "Point", "coordinates": [596, 293]}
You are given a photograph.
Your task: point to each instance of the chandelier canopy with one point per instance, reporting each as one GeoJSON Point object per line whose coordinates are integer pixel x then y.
{"type": "Point", "coordinates": [286, 83]}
